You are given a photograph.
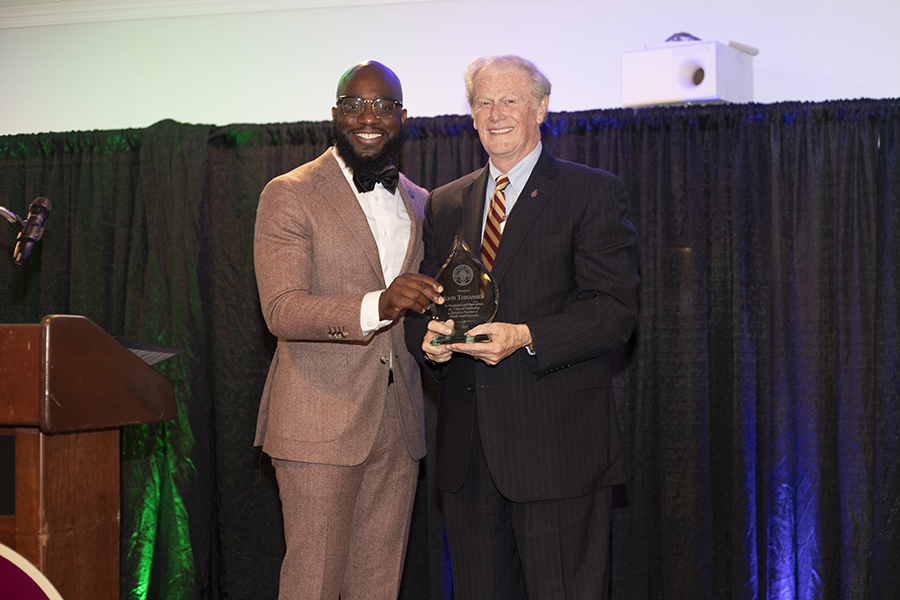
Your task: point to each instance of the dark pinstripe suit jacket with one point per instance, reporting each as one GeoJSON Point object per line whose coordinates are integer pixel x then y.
{"type": "Point", "coordinates": [567, 267]}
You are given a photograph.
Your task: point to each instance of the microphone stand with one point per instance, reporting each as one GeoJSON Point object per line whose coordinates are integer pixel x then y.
{"type": "Point", "coordinates": [13, 218]}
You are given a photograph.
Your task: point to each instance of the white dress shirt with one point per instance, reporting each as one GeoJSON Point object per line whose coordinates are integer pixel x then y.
{"type": "Point", "coordinates": [390, 225]}
{"type": "Point", "coordinates": [518, 177]}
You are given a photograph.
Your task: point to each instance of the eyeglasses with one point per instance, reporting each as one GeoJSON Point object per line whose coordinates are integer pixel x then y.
{"type": "Point", "coordinates": [382, 107]}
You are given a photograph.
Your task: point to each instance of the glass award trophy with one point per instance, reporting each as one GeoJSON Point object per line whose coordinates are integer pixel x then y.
{"type": "Point", "coordinates": [470, 296]}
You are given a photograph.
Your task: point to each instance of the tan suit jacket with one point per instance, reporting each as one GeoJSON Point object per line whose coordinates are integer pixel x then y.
{"type": "Point", "coordinates": [315, 259]}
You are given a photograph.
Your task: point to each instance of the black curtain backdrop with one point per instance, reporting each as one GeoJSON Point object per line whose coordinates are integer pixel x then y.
{"type": "Point", "coordinates": [759, 395]}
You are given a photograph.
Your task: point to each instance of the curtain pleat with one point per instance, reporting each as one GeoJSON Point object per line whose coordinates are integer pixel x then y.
{"type": "Point", "coordinates": [759, 396]}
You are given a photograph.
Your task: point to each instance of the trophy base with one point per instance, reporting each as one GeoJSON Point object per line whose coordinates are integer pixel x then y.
{"type": "Point", "coordinates": [460, 338]}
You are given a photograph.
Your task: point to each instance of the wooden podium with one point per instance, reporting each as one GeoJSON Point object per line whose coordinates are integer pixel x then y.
{"type": "Point", "coordinates": [65, 389]}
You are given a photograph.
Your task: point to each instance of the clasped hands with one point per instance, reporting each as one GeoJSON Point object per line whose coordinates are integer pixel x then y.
{"type": "Point", "coordinates": [416, 292]}
{"type": "Point", "coordinates": [506, 338]}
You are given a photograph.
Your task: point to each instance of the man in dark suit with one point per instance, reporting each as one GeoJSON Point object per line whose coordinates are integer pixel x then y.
{"type": "Point", "coordinates": [342, 414]}
{"type": "Point", "coordinates": [528, 442]}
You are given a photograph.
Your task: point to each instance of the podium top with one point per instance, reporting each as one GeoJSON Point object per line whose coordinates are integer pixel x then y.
{"type": "Point", "coordinates": [66, 374]}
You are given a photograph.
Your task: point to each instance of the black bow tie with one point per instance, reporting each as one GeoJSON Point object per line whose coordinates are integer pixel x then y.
{"type": "Point", "coordinates": [366, 182]}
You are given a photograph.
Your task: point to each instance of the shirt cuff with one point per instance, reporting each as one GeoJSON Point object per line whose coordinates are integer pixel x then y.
{"type": "Point", "coordinates": [368, 314]}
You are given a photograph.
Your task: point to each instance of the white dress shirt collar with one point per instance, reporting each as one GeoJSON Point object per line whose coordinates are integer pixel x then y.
{"type": "Point", "coordinates": [518, 177]}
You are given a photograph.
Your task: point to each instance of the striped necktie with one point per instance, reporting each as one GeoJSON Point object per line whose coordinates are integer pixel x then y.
{"type": "Point", "coordinates": [496, 216]}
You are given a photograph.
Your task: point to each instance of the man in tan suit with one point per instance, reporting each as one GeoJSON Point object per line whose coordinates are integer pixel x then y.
{"type": "Point", "coordinates": [336, 246]}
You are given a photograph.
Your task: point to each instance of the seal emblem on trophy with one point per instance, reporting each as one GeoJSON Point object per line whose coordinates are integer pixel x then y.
{"type": "Point", "coordinates": [470, 296]}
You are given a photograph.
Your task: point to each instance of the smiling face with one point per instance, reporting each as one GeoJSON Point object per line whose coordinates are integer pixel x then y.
{"type": "Point", "coordinates": [507, 115]}
{"type": "Point", "coordinates": [365, 137]}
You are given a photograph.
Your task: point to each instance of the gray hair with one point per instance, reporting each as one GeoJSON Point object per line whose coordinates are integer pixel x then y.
{"type": "Point", "coordinates": [539, 84]}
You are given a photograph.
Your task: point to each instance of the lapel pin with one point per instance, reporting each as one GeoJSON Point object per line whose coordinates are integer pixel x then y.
{"type": "Point", "coordinates": [534, 193]}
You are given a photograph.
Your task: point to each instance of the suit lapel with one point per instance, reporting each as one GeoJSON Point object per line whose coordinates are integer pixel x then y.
{"type": "Point", "coordinates": [473, 212]}
{"type": "Point", "coordinates": [415, 231]}
{"type": "Point", "coordinates": [341, 199]}
{"type": "Point", "coordinates": [537, 192]}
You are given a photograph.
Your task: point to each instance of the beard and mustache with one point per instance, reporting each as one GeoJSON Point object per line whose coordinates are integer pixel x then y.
{"type": "Point", "coordinates": [367, 165]}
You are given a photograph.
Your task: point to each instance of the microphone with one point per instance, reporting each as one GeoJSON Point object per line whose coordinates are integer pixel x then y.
{"type": "Point", "coordinates": [38, 213]}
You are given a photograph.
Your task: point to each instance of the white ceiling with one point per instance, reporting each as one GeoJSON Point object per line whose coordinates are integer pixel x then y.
{"type": "Point", "coordinates": [31, 2]}
{"type": "Point", "coordinates": [37, 13]}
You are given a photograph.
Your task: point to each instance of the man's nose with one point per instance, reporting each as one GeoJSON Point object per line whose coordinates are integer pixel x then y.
{"type": "Point", "coordinates": [368, 114]}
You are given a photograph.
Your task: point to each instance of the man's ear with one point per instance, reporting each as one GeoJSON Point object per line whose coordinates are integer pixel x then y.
{"type": "Point", "coordinates": [543, 111]}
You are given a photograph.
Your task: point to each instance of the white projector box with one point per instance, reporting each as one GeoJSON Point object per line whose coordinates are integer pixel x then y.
{"type": "Point", "coordinates": [681, 72]}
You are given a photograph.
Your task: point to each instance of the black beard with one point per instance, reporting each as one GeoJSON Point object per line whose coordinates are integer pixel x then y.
{"type": "Point", "coordinates": [367, 165]}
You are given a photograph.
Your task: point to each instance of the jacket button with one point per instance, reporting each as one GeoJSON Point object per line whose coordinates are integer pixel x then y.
{"type": "Point", "coordinates": [385, 360]}
{"type": "Point", "coordinates": [471, 388]}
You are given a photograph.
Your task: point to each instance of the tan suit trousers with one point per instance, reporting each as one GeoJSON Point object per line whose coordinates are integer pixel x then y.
{"type": "Point", "coordinates": [346, 528]}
